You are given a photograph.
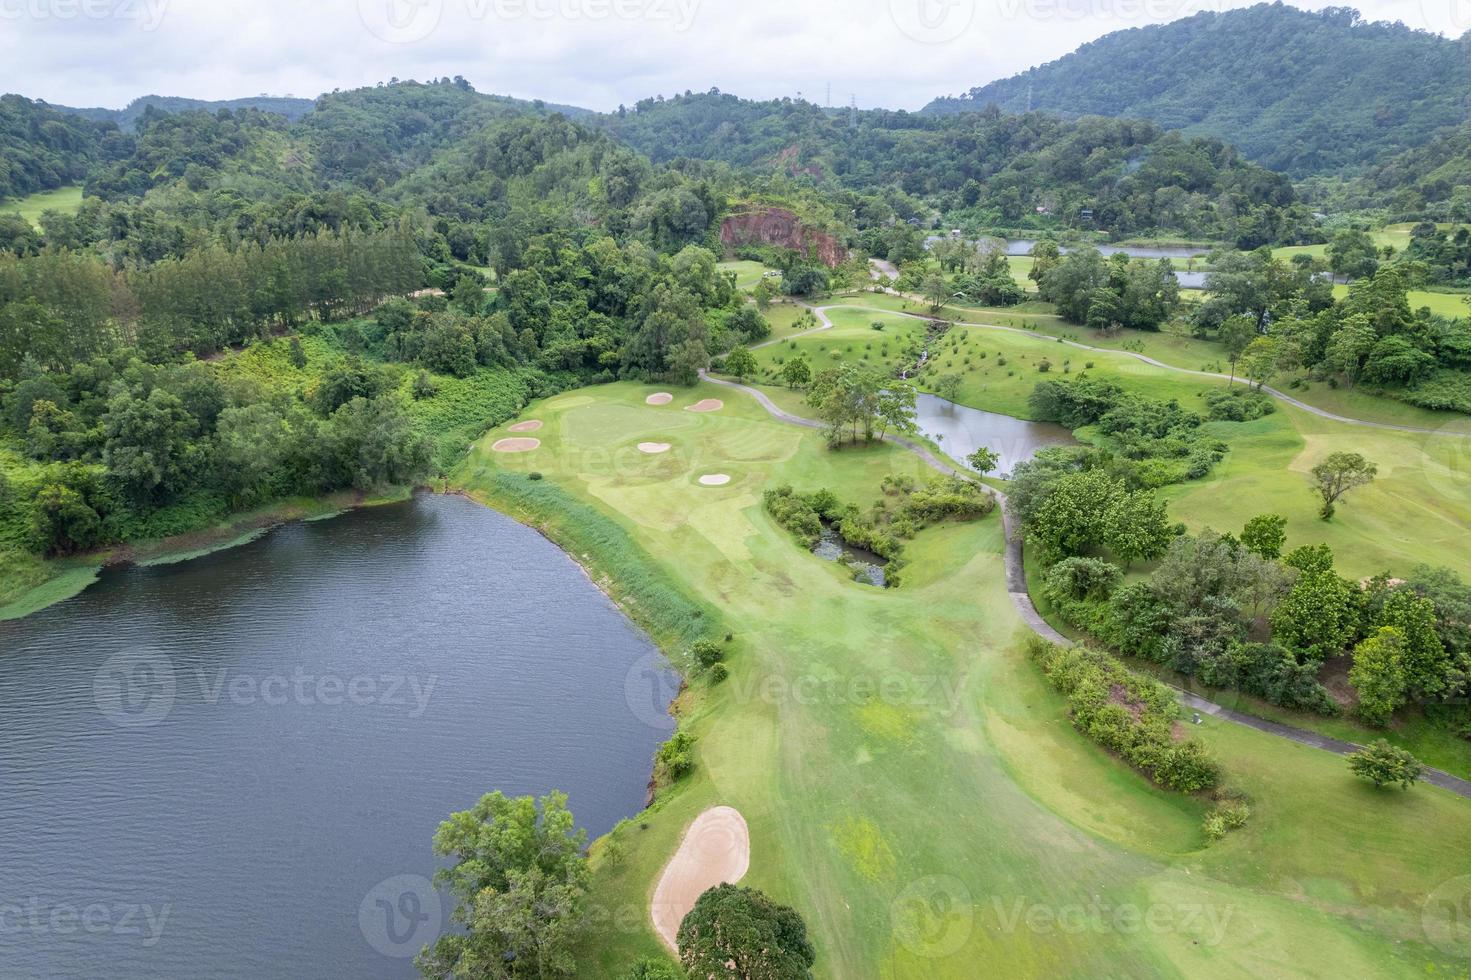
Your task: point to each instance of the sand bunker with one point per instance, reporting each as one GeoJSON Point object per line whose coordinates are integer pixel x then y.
{"type": "Point", "coordinates": [716, 849]}
{"type": "Point", "coordinates": [653, 448]}
{"type": "Point", "coordinates": [662, 398]}
{"type": "Point", "coordinates": [531, 425]}
{"type": "Point", "coordinates": [714, 479]}
{"type": "Point", "coordinates": [516, 445]}
{"type": "Point", "coordinates": [708, 405]}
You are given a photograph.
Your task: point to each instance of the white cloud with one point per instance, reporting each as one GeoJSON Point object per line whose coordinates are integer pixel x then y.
{"type": "Point", "coordinates": [594, 53]}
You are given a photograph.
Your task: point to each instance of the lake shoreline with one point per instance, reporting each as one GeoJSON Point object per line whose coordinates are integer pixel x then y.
{"type": "Point", "coordinates": [72, 574]}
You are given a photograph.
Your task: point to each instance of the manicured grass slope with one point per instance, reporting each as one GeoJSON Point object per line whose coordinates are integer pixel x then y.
{"type": "Point", "coordinates": [910, 828]}
{"type": "Point", "coordinates": [32, 206]}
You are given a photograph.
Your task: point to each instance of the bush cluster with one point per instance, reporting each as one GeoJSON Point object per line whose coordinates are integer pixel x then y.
{"type": "Point", "coordinates": [1126, 713]}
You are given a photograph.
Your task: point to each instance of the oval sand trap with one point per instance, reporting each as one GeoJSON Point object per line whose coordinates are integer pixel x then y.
{"type": "Point", "coordinates": [716, 850]}
{"type": "Point", "coordinates": [516, 445]}
{"type": "Point", "coordinates": [708, 405]}
{"type": "Point", "coordinates": [661, 398]}
{"type": "Point", "coordinates": [714, 479]}
{"type": "Point", "coordinates": [653, 448]}
{"type": "Point", "coordinates": [531, 425]}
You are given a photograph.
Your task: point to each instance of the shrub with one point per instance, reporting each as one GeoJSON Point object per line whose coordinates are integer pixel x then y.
{"type": "Point", "coordinates": [1126, 713]}
{"type": "Point", "coordinates": [707, 653]}
{"type": "Point", "coordinates": [718, 673]}
{"type": "Point", "coordinates": [673, 761]}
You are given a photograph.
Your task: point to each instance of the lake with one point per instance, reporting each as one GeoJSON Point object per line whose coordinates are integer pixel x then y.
{"type": "Point", "coordinates": [960, 431]}
{"type": "Point", "coordinates": [234, 766]}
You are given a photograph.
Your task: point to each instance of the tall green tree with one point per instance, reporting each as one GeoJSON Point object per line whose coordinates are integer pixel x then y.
{"type": "Point", "coordinates": [740, 932]}
{"type": "Point", "coordinates": [519, 875]}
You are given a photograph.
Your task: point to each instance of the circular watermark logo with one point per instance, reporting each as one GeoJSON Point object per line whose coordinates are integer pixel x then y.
{"type": "Point", "coordinates": [400, 21]}
{"type": "Point", "coordinates": [648, 688]}
{"type": "Point", "coordinates": [932, 21]}
{"type": "Point", "coordinates": [1446, 15]}
{"type": "Point", "coordinates": [933, 916]}
{"type": "Point", "coordinates": [135, 688]}
{"type": "Point", "coordinates": [1446, 465]}
{"type": "Point", "coordinates": [1446, 917]}
{"type": "Point", "coordinates": [400, 915]}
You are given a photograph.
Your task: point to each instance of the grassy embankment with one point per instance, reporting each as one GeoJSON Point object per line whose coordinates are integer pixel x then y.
{"type": "Point", "coordinates": [910, 823]}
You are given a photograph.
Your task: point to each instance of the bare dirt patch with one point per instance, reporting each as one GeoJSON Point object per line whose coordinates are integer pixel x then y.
{"type": "Point", "coordinates": [653, 448]}
{"type": "Point", "coordinates": [716, 850]}
{"type": "Point", "coordinates": [530, 425]}
{"type": "Point", "coordinates": [516, 445]}
{"type": "Point", "coordinates": [708, 405]}
{"type": "Point", "coordinates": [659, 398]}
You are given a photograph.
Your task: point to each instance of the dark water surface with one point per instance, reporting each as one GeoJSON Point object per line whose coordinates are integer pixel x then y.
{"type": "Point", "coordinates": [960, 431]}
{"type": "Point", "coordinates": [234, 766]}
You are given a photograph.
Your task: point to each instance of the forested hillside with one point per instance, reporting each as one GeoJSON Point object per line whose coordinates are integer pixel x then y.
{"type": "Point", "coordinates": [226, 320]}
{"type": "Point", "coordinates": [42, 149]}
{"type": "Point", "coordinates": [1431, 181]}
{"type": "Point", "coordinates": [1297, 91]}
{"type": "Point", "coordinates": [128, 116]}
{"type": "Point", "coordinates": [1033, 170]}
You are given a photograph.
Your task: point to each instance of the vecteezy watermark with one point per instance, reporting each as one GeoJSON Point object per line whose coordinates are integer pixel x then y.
{"type": "Point", "coordinates": [648, 688]}
{"type": "Point", "coordinates": [401, 915]}
{"type": "Point", "coordinates": [1446, 15]}
{"type": "Point", "coordinates": [1446, 917]}
{"type": "Point", "coordinates": [409, 21]}
{"type": "Point", "coordinates": [938, 694]}
{"type": "Point", "coordinates": [933, 917]}
{"type": "Point", "coordinates": [135, 688]}
{"type": "Point", "coordinates": [148, 14]}
{"type": "Point", "coordinates": [1445, 462]}
{"type": "Point", "coordinates": [1204, 922]}
{"type": "Point", "coordinates": [932, 21]}
{"type": "Point", "coordinates": [138, 688]}
{"type": "Point", "coordinates": [128, 919]}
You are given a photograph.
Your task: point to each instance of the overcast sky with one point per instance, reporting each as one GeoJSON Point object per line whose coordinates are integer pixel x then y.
{"type": "Point", "coordinates": [593, 53]}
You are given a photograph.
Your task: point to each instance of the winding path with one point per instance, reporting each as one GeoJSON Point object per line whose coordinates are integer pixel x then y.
{"type": "Point", "coordinates": [1016, 587]}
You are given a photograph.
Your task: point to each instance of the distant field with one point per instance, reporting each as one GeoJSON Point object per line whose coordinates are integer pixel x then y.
{"type": "Point", "coordinates": [32, 206]}
{"type": "Point", "coordinates": [1446, 304]}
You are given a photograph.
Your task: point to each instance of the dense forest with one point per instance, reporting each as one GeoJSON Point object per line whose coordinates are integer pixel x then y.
{"type": "Point", "coordinates": [986, 169]}
{"type": "Point", "coordinates": [128, 116]}
{"type": "Point", "coordinates": [1431, 182]}
{"type": "Point", "coordinates": [42, 149]}
{"type": "Point", "coordinates": [1297, 91]}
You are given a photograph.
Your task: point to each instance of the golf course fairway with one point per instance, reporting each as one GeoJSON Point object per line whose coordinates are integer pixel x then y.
{"type": "Point", "coordinates": [910, 782]}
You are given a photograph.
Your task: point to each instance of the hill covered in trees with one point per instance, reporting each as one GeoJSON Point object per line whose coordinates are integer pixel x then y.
{"type": "Point", "coordinates": [986, 168]}
{"type": "Point", "coordinates": [1296, 91]}
{"type": "Point", "coordinates": [127, 117]}
{"type": "Point", "coordinates": [42, 149]}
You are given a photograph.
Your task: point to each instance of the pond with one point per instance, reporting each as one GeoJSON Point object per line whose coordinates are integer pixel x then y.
{"type": "Point", "coordinates": [234, 766]}
{"type": "Point", "coordinates": [867, 567]}
{"type": "Point", "coordinates": [960, 431]}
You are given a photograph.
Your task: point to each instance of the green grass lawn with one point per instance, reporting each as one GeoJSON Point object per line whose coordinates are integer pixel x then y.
{"type": "Point", "coordinates": [918, 829]}
{"type": "Point", "coordinates": [783, 318]}
{"type": "Point", "coordinates": [748, 273]}
{"type": "Point", "coordinates": [1446, 304]}
{"type": "Point", "coordinates": [32, 206]}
